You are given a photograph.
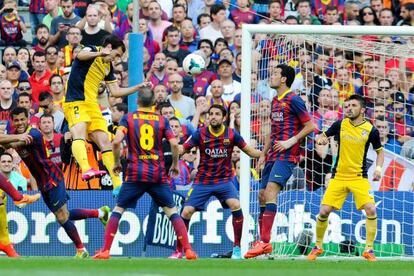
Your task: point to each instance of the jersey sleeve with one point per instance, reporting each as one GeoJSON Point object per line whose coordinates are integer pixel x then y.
{"type": "Point", "coordinates": [299, 108]}
{"type": "Point", "coordinates": [374, 139]}
{"type": "Point", "coordinates": [239, 141]}
{"type": "Point", "coordinates": [123, 124]}
{"type": "Point", "coordinates": [334, 129]}
{"type": "Point", "coordinates": [168, 133]}
{"type": "Point", "coordinates": [193, 141]}
{"type": "Point", "coordinates": [37, 136]}
{"type": "Point", "coordinates": [110, 78]}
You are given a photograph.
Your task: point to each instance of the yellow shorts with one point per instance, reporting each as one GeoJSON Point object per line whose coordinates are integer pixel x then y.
{"type": "Point", "coordinates": [85, 112]}
{"type": "Point", "coordinates": [338, 191]}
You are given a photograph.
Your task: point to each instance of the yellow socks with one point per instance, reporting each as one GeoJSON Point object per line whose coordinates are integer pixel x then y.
{"type": "Point", "coordinates": [4, 229]}
{"type": "Point", "coordinates": [80, 154]}
{"type": "Point", "coordinates": [321, 225]}
{"type": "Point", "coordinates": [109, 162]}
{"type": "Point", "coordinates": [371, 229]}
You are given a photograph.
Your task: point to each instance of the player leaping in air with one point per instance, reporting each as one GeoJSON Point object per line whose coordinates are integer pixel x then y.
{"type": "Point", "coordinates": [49, 178]}
{"type": "Point", "coordinates": [144, 131]}
{"type": "Point", "coordinates": [354, 135]}
{"type": "Point", "coordinates": [214, 176]}
{"type": "Point", "coordinates": [92, 66]}
{"type": "Point", "coordinates": [290, 123]}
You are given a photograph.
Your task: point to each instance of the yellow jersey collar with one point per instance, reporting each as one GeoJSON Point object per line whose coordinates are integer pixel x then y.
{"type": "Point", "coordinates": [147, 109]}
{"type": "Point", "coordinates": [216, 134]}
{"type": "Point", "coordinates": [284, 94]}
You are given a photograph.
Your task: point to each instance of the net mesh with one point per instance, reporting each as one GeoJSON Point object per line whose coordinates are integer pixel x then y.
{"type": "Point", "coordinates": [328, 70]}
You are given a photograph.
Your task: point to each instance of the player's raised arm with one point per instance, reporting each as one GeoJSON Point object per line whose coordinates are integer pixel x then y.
{"type": "Point", "coordinates": [87, 53]}
{"type": "Point", "coordinates": [117, 91]}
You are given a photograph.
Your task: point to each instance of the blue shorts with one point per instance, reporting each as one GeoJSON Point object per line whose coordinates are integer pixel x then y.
{"type": "Point", "coordinates": [131, 192]}
{"type": "Point", "coordinates": [199, 194]}
{"type": "Point", "coordinates": [278, 172]}
{"type": "Point", "coordinates": [265, 174]}
{"type": "Point", "coordinates": [56, 197]}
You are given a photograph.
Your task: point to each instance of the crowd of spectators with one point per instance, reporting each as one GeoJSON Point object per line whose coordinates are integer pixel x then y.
{"type": "Point", "coordinates": [33, 74]}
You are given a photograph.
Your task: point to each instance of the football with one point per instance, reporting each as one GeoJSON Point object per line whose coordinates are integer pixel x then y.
{"type": "Point", "coordinates": [194, 64]}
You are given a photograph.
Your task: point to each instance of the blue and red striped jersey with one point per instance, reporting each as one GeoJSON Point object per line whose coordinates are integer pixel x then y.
{"type": "Point", "coordinates": [37, 7]}
{"type": "Point", "coordinates": [36, 158]}
{"type": "Point", "coordinates": [215, 154]}
{"type": "Point", "coordinates": [288, 115]}
{"type": "Point", "coordinates": [145, 130]}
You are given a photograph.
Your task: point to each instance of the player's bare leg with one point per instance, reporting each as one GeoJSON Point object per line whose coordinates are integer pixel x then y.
{"type": "Point", "coordinates": [180, 228]}
{"type": "Point", "coordinates": [101, 138]}
{"type": "Point", "coordinates": [371, 226]}
{"type": "Point", "coordinates": [62, 216]}
{"type": "Point", "coordinates": [321, 225]}
{"type": "Point", "coordinates": [78, 132]}
{"type": "Point", "coordinates": [264, 247]}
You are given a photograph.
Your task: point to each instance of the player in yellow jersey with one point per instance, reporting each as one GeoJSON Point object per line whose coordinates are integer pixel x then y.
{"type": "Point", "coordinates": [354, 134]}
{"type": "Point", "coordinates": [92, 66]}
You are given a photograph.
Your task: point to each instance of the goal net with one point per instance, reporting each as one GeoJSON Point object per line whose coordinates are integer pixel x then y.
{"type": "Point", "coordinates": [332, 63]}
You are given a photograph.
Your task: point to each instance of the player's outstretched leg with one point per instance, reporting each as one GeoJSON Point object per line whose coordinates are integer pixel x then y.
{"type": "Point", "coordinates": [80, 214]}
{"type": "Point", "coordinates": [19, 199]}
{"type": "Point", "coordinates": [110, 232]}
{"type": "Point", "coordinates": [62, 216]}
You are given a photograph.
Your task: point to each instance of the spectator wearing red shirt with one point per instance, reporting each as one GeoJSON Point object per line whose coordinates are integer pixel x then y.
{"type": "Point", "coordinates": [39, 80]}
{"type": "Point", "coordinates": [243, 14]}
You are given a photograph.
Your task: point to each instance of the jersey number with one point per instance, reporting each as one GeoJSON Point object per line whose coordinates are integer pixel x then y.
{"type": "Point", "coordinates": [146, 134]}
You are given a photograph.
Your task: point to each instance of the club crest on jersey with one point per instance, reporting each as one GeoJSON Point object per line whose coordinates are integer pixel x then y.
{"type": "Point", "coordinates": [226, 142]}
{"type": "Point", "coordinates": [364, 133]}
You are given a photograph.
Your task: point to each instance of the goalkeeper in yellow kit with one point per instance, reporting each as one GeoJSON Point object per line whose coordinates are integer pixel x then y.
{"type": "Point", "coordinates": [354, 135]}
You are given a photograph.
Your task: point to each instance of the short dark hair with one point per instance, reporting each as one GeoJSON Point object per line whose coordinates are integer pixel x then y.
{"type": "Point", "coordinates": [165, 104]}
{"type": "Point", "coordinates": [291, 17]}
{"type": "Point", "coordinates": [24, 94]}
{"type": "Point", "coordinates": [171, 29]}
{"type": "Point", "coordinates": [287, 72]}
{"type": "Point", "coordinates": [201, 16]}
{"type": "Point", "coordinates": [41, 26]}
{"type": "Point", "coordinates": [208, 41]}
{"type": "Point", "coordinates": [39, 54]}
{"type": "Point", "coordinates": [121, 107]}
{"type": "Point", "coordinates": [218, 106]}
{"type": "Point", "coordinates": [145, 97]}
{"type": "Point", "coordinates": [221, 39]}
{"type": "Point", "coordinates": [44, 95]}
{"type": "Point", "coordinates": [7, 154]}
{"type": "Point", "coordinates": [55, 76]}
{"type": "Point", "coordinates": [358, 98]}
{"type": "Point", "coordinates": [18, 111]}
{"type": "Point", "coordinates": [47, 116]}
{"type": "Point", "coordinates": [114, 41]}
{"type": "Point", "coordinates": [216, 8]}
{"type": "Point", "coordinates": [274, 1]}
{"type": "Point", "coordinates": [175, 119]}
{"type": "Point", "coordinates": [51, 47]}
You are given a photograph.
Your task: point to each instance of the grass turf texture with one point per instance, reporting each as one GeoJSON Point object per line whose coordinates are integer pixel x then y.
{"type": "Point", "coordinates": [61, 266]}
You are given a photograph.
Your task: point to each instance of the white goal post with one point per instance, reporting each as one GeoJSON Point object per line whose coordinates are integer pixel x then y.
{"type": "Point", "coordinates": [248, 31]}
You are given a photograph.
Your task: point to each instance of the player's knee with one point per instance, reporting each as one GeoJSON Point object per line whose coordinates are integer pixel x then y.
{"type": "Point", "coordinates": [62, 216]}
{"type": "Point", "coordinates": [262, 197]}
{"type": "Point", "coordinates": [169, 211]}
{"type": "Point", "coordinates": [325, 211]}
{"type": "Point", "coordinates": [187, 212]}
{"type": "Point", "coordinates": [370, 210]}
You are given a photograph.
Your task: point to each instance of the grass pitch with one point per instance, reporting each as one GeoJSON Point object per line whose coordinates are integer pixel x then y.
{"type": "Point", "coordinates": [60, 266]}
